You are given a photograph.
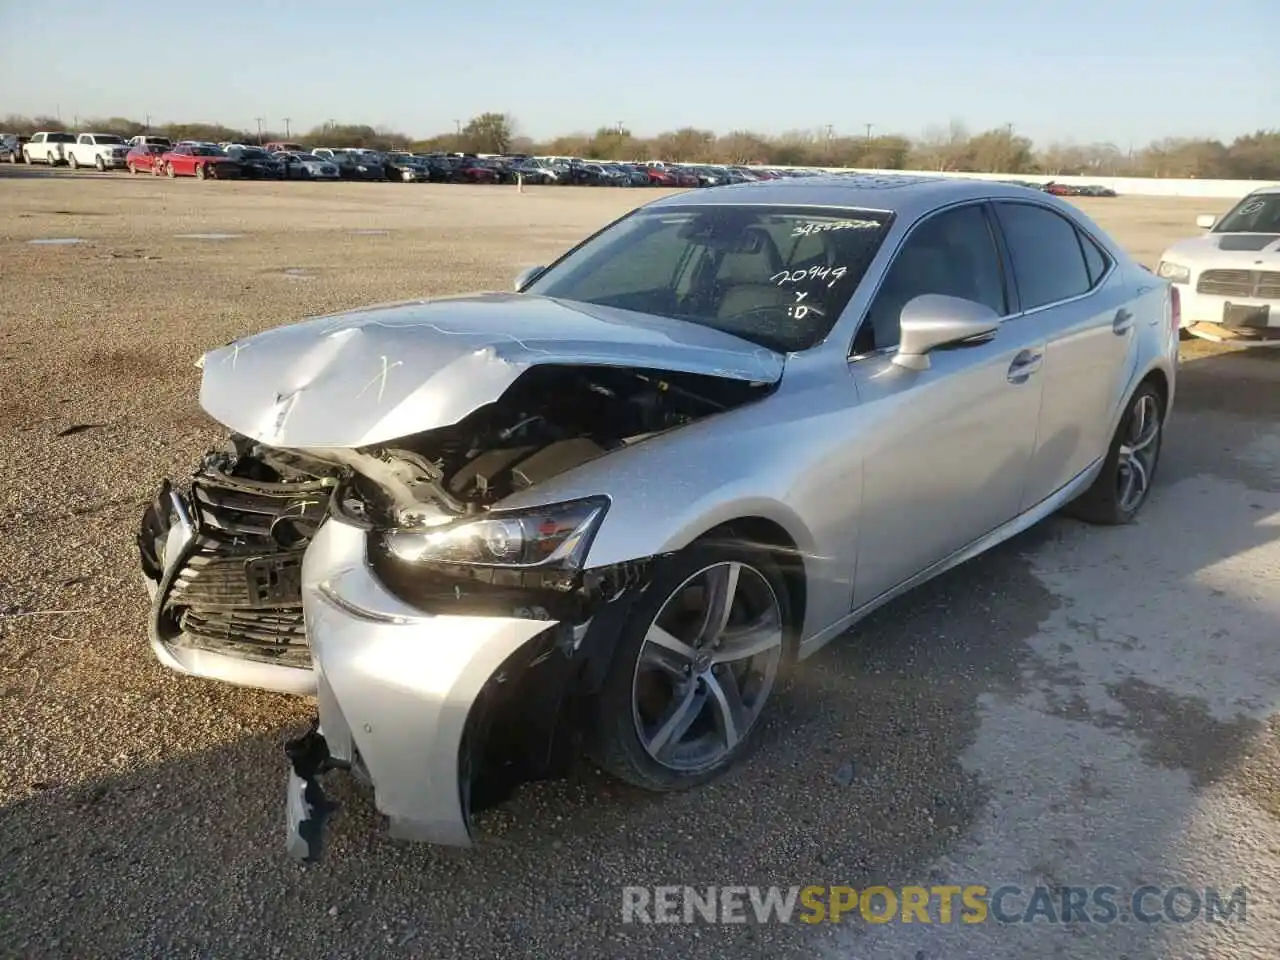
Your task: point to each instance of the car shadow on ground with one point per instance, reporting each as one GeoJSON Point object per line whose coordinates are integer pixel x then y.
{"type": "Point", "coordinates": [859, 778]}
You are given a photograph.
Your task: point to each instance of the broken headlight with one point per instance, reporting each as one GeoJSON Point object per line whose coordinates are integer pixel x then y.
{"type": "Point", "coordinates": [557, 535]}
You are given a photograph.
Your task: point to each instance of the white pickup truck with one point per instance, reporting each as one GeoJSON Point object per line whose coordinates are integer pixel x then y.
{"type": "Point", "coordinates": [48, 147]}
{"type": "Point", "coordinates": [105, 151]}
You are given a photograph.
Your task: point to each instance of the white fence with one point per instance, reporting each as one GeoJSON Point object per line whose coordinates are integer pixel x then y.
{"type": "Point", "coordinates": [1125, 186]}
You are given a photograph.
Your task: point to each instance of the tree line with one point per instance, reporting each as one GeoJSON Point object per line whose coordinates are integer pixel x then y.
{"type": "Point", "coordinates": [1254, 156]}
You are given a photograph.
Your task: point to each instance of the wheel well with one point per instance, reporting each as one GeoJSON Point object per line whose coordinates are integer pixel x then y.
{"type": "Point", "coordinates": [770, 536]}
{"type": "Point", "coordinates": [1160, 381]}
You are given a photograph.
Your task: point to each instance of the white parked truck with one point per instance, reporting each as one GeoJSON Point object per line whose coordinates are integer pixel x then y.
{"type": "Point", "coordinates": [102, 150]}
{"type": "Point", "coordinates": [51, 147]}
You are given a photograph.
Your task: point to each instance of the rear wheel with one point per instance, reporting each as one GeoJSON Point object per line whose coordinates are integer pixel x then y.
{"type": "Point", "coordinates": [201, 171]}
{"type": "Point", "coordinates": [694, 668]}
{"type": "Point", "coordinates": [1130, 466]}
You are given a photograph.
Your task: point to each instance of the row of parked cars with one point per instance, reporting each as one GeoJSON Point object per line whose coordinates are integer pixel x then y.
{"type": "Point", "coordinates": [289, 161]}
{"type": "Point", "coordinates": [282, 160]}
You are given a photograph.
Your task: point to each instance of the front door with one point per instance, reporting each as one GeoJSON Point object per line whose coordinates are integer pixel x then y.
{"type": "Point", "coordinates": [948, 448]}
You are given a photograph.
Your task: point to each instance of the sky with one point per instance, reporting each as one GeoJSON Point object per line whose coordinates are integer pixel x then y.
{"type": "Point", "coordinates": [1121, 71]}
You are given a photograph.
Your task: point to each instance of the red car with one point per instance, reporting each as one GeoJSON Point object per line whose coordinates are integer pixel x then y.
{"type": "Point", "coordinates": [684, 178]}
{"type": "Point", "coordinates": [662, 177]}
{"type": "Point", "coordinates": [198, 160]}
{"type": "Point", "coordinates": [472, 171]}
{"type": "Point", "coordinates": [145, 157]}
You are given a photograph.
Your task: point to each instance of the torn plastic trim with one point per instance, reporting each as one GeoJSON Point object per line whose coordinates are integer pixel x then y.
{"type": "Point", "coordinates": [307, 807]}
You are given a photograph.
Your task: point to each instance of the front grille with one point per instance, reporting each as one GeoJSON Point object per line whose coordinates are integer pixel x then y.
{"type": "Point", "coordinates": [240, 591]}
{"type": "Point", "coordinates": [1264, 284]}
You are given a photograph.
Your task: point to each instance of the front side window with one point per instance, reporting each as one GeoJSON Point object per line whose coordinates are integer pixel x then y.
{"type": "Point", "coordinates": [1047, 257]}
{"type": "Point", "coordinates": [1256, 214]}
{"type": "Point", "coordinates": [953, 253]}
{"type": "Point", "coordinates": [777, 276]}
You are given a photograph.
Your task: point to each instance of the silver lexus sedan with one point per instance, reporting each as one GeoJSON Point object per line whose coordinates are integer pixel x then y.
{"type": "Point", "coordinates": [603, 515]}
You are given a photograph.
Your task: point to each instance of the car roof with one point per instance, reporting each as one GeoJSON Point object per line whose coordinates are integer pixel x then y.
{"type": "Point", "coordinates": [1273, 188]}
{"type": "Point", "coordinates": [904, 194]}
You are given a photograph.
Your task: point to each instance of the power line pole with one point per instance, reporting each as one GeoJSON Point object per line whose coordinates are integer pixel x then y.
{"type": "Point", "coordinates": [869, 126]}
{"type": "Point", "coordinates": [259, 119]}
{"type": "Point", "coordinates": [457, 127]}
{"type": "Point", "coordinates": [286, 126]}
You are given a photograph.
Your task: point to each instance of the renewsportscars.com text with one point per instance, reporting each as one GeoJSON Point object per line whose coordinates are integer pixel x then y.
{"type": "Point", "coordinates": [937, 904]}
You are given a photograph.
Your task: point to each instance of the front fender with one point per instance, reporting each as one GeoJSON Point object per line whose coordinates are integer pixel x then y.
{"type": "Point", "coordinates": [795, 471]}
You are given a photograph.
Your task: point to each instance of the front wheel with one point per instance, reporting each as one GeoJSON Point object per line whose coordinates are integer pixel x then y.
{"type": "Point", "coordinates": [1130, 466]}
{"type": "Point", "coordinates": [201, 171]}
{"type": "Point", "coordinates": [102, 167]}
{"type": "Point", "coordinates": [694, 667]}
{"type": "Point", "coordinates": [73, 162]}
{"type": "Point", "coordinates": [170, 172]}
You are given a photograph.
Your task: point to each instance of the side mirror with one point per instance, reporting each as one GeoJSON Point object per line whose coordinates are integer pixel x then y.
{"type": "Point", "coordinates": [1206, 221]}
{"type": "Point", "coordinates": [932, 320]}
{"type": "Point", "coordinates": [527, 276]}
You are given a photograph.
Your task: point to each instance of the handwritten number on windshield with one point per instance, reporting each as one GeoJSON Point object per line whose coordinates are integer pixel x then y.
{"type": "Point", "coordinates": [831, 274]}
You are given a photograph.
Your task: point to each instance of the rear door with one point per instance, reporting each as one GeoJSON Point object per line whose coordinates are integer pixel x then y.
{"type": "Point", "coordinates": [1067, 279]}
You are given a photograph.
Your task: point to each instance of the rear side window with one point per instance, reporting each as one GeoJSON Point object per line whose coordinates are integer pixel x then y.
{"type": "Point", "coordinates": [1048, 261]}
{"type": "Point", "coordinates": [1094, 259]}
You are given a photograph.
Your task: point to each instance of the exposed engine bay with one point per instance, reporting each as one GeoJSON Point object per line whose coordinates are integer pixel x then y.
{"type": "Point", "coordinates": [551, 420]}
{"type": "Point", "coordinates": [254, 509]}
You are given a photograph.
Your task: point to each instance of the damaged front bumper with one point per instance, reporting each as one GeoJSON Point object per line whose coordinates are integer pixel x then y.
{"type": "Point", "coordinates": [398, 688]}
{"type": "Point", "coordinates": [441, 691]}
{"type": "Point", "coordinates": [225, 592]}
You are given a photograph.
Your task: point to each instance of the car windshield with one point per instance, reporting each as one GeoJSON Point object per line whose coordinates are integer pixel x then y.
{"type": "Point", "coordinates": [775, 275]}
{"type": "Point", "coordinates": [207, 152]}
{"type": "Point", "coordinates": [107, 138]}
{"type": "Point", "coordinates": [307, 158]}
{"type": "Point", "coordinates": [1257, 214]}
{"type": "Point", "coordinates": [254, 153]}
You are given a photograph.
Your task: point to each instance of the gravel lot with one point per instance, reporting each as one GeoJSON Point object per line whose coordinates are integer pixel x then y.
{"type": "Point", "coordinates": [1081, 706]}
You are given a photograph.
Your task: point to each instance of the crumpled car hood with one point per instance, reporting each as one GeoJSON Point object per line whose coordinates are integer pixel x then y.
{"type": "Point", "coordinates": [375, 375]}
{"type": "Point", "coordinates": [1239, 251]}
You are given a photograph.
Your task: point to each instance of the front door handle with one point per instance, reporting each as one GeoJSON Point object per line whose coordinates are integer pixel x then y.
{"type": "Point", "coordinates": [1123, 322]}
{"type": "Point", "coordinates": [1024, 365]}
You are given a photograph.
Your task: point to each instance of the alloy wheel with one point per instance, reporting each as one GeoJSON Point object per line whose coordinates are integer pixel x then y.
{"type": "Point", "coordinates": [707, 666]}
{"type": "Point", "coordinates": [1139, 448]}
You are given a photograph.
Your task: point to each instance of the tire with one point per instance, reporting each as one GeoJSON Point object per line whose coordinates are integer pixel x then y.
{"type": "Point", "coordinates": [636, 694]}
{"type": "Point", "coordinates": [133, 171]}
{"type": "Point", "coordinates": [201, 172]}
{"type": "Point", "coordinates": [1109, 501]}
{"type": "Point", "coordinates": [102, 167]}
{"type": "Point", "coordinates": [170, 172]}
{"type": "Point", "coordinates": [73, 163]}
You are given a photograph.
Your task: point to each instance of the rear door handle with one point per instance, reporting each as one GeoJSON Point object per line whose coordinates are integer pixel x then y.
{"type": "Point", "coordinates": [1024, 365]}
{"type": "Point", "coordinates": [1122, 323]}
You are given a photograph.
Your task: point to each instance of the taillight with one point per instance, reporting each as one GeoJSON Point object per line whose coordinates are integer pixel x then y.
{"type": "Point", "coordinates": [1175, 311]}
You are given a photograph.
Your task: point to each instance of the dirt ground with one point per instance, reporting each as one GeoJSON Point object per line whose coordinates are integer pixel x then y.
{"type": "Point", "coordinates": [141, 812]}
